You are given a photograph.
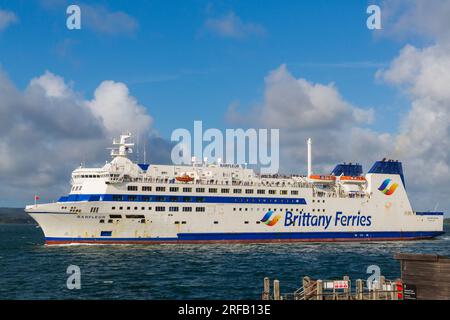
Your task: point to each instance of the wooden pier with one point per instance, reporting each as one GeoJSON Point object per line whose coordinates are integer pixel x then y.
{"type": "Point", "coordinates": [342, 289]}
{"type": "Point", "coordinates": [423, 277]}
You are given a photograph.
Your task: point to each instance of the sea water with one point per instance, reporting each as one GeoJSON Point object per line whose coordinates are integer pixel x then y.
{"type": "Point", "coordinates": [31, 270]}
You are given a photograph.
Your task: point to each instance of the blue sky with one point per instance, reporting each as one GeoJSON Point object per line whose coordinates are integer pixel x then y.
{"type": "Point", "coordinates": [311, 68]}
{"type": "Point", "coordinates": [170, 61]}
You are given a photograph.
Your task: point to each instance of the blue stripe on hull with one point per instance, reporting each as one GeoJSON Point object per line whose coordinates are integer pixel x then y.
{"type": "Point", "coordinates": [429, 213]}
{"type": "Point", "coordinates": [266, 236]}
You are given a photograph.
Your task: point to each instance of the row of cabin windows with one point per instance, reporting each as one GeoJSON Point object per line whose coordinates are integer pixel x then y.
{"type": "Point", "coordinates": [93, 176]}
{"type": "Point", "coordinates": [76, 188]}
{"type": "Point", "coordinates": [197, 199]}
{"type": "Point", "coordinates": [129, 208]}
{"type": "Point", "coordinates": [275, 209]}
{"type": "Point", "coordinates": [215, 222]}
{"type": "Point", "coordinates": [184, 209]}
{"type": "Point", "coordinates": [212, 190]}
{"type": "Point", "coordinates": [160, 208]}
{"type": "Point", "coordinates": [111, 220]}
{"type": "Point", "coordinates": [74, 210]}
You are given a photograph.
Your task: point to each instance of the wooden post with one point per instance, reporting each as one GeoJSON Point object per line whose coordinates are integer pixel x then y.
{"type": "Point", "coordinates": [266, 292]}
{"type": "Point", "coordinates": [394, 291]}
{"type": "Point", "coordinates": [359, 289]}
{"type": "Point", "coordinates": [306, 287]}
{"type": "Point", "coordinates": [376, 284]}
{"type": "Point", "coordinates": [383, 295]}
{"type": "Point", "coordinates": [319, 290]}
{"type": "Point", "coordinates": [276, 290]}
{"type": "Point", "coordinates": [347, 290]}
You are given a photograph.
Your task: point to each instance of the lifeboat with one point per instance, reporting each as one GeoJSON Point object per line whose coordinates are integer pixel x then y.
{"type": "Point", "coordinates": [184, 178]}
{"type": "Point", "coordinates": [317, 178]}
{"type": "Point", "coordinates": [352, 179]}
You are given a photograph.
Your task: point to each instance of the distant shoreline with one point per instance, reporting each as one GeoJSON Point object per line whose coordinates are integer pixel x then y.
{"type": "Point", "coordinates": [15, 216]}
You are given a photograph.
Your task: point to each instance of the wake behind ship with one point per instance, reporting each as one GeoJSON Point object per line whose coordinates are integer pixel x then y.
{"type": "Point", "coordinates": [125, 202]}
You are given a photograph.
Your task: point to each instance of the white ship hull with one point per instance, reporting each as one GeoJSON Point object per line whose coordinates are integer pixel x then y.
{"type": "Point", "coordinates": [233, 219]}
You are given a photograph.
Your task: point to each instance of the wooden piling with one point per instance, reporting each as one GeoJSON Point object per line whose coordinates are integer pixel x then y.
{"type": "Point", "coordinates": [359, 290]}
{"type": "Point", "coordinates": [382, 294]}
{"type": "Point", "coordinates": [347, 290]}
{"type": "Point", "coordinates": [394, 292]}
{"type": "Point", "coordinates": [375, 289]}
{"type": "Point", "coordinates": [266, 292]}
{"type": "Point", "coordinates": [319, 290]}
{"type": "Point", "coordinates": [276, 290]}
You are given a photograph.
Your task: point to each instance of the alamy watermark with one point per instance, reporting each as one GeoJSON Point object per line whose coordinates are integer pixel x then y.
{"type": "Point", "coordinates": [373, 281]}
{"type": "Point", "coordinates": [73, 21]}
{"type": "Point", "coordinates": [74, 279]}
{"type": "Point", "coordinates": [374, 20]}
{"type": "Point", "coordinates": [259, 147]}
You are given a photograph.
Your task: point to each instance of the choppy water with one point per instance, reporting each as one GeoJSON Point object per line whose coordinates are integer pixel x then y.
{"type": "Point", "coordinates": [30, 270]}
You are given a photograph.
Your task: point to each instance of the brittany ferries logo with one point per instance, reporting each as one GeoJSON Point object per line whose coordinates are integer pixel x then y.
{"type": "Point", "coordinates": [268, 221]}
{"type": "Point", "coordinates": [386, 189]}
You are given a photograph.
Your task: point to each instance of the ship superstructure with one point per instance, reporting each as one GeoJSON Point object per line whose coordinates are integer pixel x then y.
{"type": "Point", "coordinates": [126, 202]}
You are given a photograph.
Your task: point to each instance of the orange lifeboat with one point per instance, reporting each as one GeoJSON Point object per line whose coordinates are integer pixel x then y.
{"type": "Point", "coordinates": [184, 178]}
{"type": "Point", "coordinates": [322, 178]}
{"type": "Point", "coordinates": [353, 179]}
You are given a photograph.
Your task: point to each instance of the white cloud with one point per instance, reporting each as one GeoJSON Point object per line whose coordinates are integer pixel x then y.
{"type": "Point", "coordinates": [303, 109]}
{"type": "Point", "coordinates": [53, 85]}
{"type": "Point", "coordinates": [406, 18]}
{"type": "Point", "coordinates": [231, 26]}
{"type": "Point", "coordinates": [424, 138]}
{"type": "Point", "coordinates": [298, 103]}
{"type": "Point", "coordinates": [100, 19]}
{"type": "Point", "coordinates": [6, 19]}
{"type": "Point", "coordinates": [48, 129]}
{"type": "Point", "coordinates": [119, 111]}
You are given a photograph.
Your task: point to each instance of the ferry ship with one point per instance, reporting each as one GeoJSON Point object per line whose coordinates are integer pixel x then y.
{"type": "Point", "coordinates": [130, 203]}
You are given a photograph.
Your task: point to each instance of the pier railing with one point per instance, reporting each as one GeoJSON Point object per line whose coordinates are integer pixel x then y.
{"type": "Point", "coordinates": [341, 289]}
